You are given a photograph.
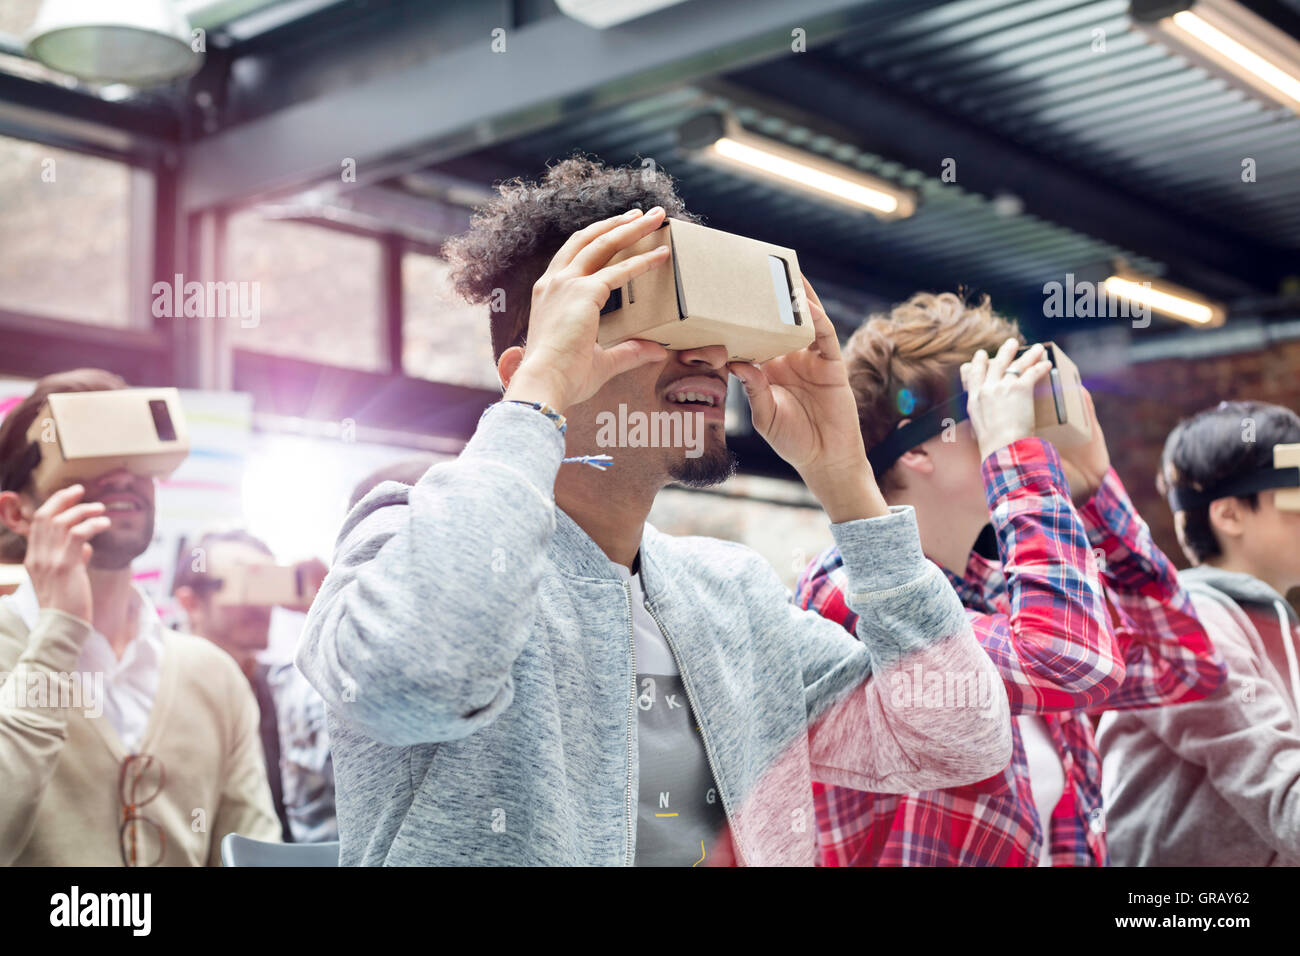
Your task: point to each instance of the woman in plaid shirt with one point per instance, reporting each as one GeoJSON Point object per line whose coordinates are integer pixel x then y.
{"type": "Point", "coordinates": [1040, 611]}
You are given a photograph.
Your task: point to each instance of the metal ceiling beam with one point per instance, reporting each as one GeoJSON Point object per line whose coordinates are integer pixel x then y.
{"type": "Point", "coordinates": [893, 125]}
{"type": "Point", "coordinates": [376, 211]}
{"type": "Point", "coordinates": [43, 112]}
{"type": "Point", "coordinates": [452, 103]}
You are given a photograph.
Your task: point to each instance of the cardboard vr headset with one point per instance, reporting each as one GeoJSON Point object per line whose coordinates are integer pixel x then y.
{"type": "Point", "coordinates": [1059, 413]}
{"type": "Point", "coordinates": [716, 289]}
{"type": "Point", "coordinates": [1287, 456]}
{"type": "Point", "coordinates": [262, 585]}
{"type": "Point", "coordinates": [78, 436]}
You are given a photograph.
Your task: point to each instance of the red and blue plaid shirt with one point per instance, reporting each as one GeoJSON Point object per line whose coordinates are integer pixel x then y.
{"type": "Point", "coordinates": [1041, 614]}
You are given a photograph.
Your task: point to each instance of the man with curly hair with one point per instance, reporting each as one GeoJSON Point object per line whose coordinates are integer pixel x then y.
{"type": "Point", "coordinates": [518, 669]}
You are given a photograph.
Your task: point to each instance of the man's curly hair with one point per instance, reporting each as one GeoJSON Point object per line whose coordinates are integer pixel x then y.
{"type": "Point", "coordinates": [512, 238]}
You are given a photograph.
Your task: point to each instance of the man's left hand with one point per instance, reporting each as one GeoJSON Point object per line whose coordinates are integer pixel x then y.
{"type": "Point", "coordinates": [802, 406]}
{"type": "Point", "coordinates": [1086, 466]}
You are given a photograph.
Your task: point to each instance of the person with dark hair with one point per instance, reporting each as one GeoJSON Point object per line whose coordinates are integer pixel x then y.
{"type": "Point", "coordinates": [518, 669]}
{"type": "Point", "coordinates": [121, 742]}
{"type": "Point", "coordinates": [1217, 782]}
{"type": "Point", "coordinates": [243, 631]}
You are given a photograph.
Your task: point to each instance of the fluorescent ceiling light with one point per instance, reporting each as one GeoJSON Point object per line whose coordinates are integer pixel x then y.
{"type": "Point", "coordinates": [738, 150]}
{"type": "Point", "coordinates": [1234, 40]}
{"type": "Point", "coordinates": [607, 13]}
{"type": "Point", "coordinates": [1166, 298]}
{"type": "Point", "coordinates": [138, 43]}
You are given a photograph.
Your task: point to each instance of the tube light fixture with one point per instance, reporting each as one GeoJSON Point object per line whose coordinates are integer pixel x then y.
{"type": "Point", "coordinates": [1232, 39]}
{"type": "Point", "coordinates": [723, 143]}
{"type": "Point", "coordinates": [608, 13]}
{"type": "Point", "coordinates": [1166, 298]}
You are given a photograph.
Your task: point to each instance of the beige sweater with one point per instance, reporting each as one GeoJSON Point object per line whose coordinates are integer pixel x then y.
{"type": "Point", "coordinates": [59, 768]}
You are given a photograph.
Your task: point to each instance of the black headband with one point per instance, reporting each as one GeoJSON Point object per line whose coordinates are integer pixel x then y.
{"type": "Point", "coordinates": [21, 468]}
{"type": "Point", "coordinates": [921, 428]}
{"type": "Point", "coordinates": [1184, 499]}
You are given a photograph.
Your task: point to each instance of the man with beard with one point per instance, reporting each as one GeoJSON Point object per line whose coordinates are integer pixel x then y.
{"type": "Point", "coordinates": [518, 669]}
{"type": "Point", "coordinates": [122, 743]}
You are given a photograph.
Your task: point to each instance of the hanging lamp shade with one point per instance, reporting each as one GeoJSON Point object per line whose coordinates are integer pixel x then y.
{"type": "Point", "coordinates": [138, 43]}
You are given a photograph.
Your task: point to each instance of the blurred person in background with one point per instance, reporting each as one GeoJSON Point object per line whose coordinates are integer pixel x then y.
{"type": "Point", "coordinates": [295, 738]}
{"type": "Point", "coordinates": [161, 765]}
{"type": "Point", "coordinates": [1069, 542]}
{"type": "Point", "coordinates": [484, 638]}
{"type": "Point", "coordinates": [306, 764]}
{"type": "Point", "coordinates": [297, 758]}
{"type": "Point", "coordinates": [1217, 782]}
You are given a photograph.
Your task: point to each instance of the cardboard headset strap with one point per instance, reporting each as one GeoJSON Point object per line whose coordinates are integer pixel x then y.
{"type": "Point", "coordinates": [1284, 477]}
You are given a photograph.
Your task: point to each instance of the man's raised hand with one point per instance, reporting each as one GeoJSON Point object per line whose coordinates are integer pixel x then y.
{"type": "Point", "coordinates": [59, 549]}
{"type": "Point", "coordinates": [1000, 394]}
{"type": "Point", "coordinates": [562, 363]}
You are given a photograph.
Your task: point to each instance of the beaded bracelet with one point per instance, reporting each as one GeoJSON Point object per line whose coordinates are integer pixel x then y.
{"type": "Point", "coordinates": [542, 407]}
{"type": "Point", "coordinates": [599, 462]}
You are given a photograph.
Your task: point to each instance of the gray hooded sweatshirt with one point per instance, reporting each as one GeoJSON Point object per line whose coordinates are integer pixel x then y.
{"type": "Point", "coordinates": [474, 648]}
{"type": "Point", "coordinates": [1215, 782]}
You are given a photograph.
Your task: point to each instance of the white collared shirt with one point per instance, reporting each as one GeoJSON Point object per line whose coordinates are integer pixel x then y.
{"type": "Point", "coordinates": [130, 684]}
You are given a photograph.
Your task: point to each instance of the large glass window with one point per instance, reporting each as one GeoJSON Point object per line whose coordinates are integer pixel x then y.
{"type": "Point", "coordinates": [64, 227]}
{"type": "Point", "coordinates": [443, 339]}
{"type": "Point", "coordinates": [317, 291]}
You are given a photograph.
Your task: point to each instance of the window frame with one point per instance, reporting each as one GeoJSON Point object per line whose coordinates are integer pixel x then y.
{"type": "Point", "coordinates": [317, 391]}
{"type": "Point", "coordinates": [37, 344]}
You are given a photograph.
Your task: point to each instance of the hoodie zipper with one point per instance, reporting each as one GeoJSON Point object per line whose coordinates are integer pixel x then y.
{"type": "Point", "coordinates": [708, 750]}
{"type": "Point", "coordinates": [631, 716]}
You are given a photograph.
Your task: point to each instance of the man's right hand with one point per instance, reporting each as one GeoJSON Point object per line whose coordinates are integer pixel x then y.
{"type": "Point", "coordinates": [563, 365]}
{"type": "Point", "coordinates": [58, 550]}
{"type": "Point", "coordinates": [1001, 394]}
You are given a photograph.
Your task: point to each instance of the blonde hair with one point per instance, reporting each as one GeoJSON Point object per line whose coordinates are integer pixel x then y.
{"type": "Point", "coordinates": [904, 363]}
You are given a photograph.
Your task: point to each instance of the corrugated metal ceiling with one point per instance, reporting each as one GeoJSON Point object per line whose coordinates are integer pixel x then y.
{"type": "Point", "coordinates": [1133, 115]}
{"type": "Point", "coordinates": [1137, 114]}
{"type": "Point", "coordinates": [961, 236]}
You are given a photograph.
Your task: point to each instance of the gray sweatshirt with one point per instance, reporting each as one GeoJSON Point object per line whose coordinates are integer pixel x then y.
{"type": "Point", "coordinates": [1215, 782]}
{"type": "Point", "coordinates": [475, 652]}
